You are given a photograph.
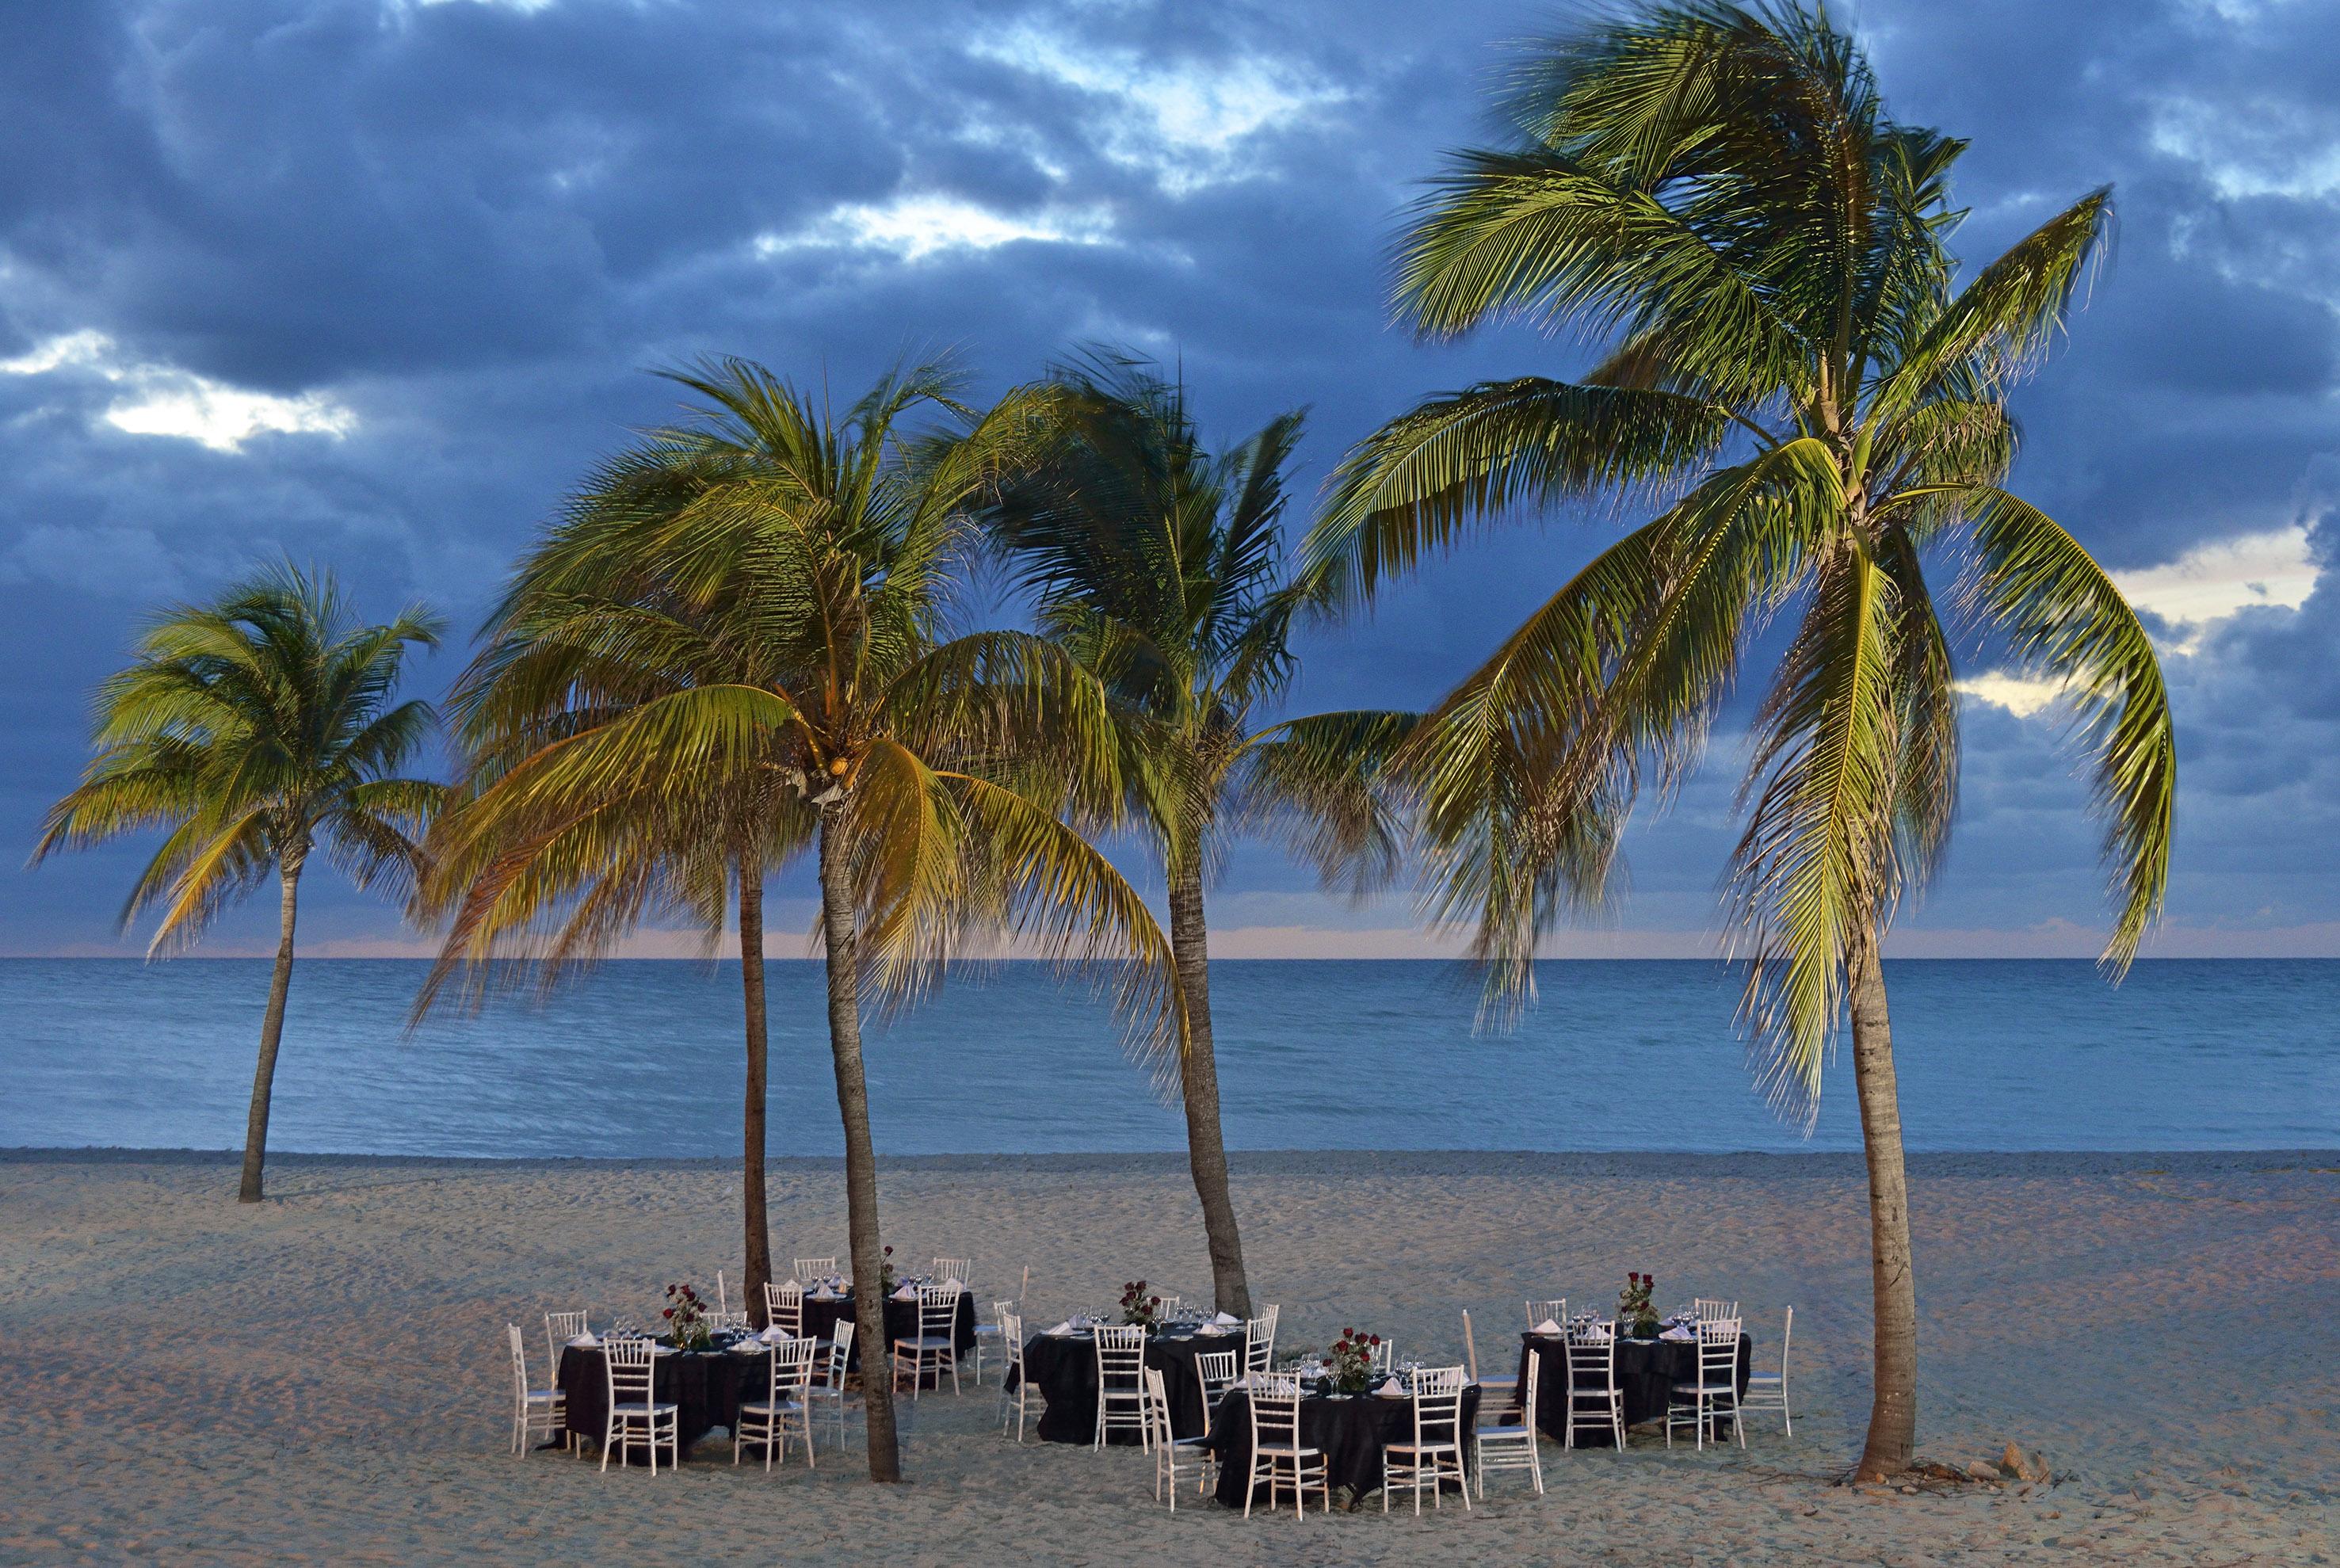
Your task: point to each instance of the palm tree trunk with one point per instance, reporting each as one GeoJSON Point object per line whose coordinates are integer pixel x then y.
{"type": "Point", "coordinates": [271, 1030]}
{"type": "Point", "coordinates": [1198, 1079]}
{"type": "Point", "coordinates": [758, 1253]}
{"type": "Point", "coordinates": [1893, 1413]}
{"type": "Point", "coordinates": [860, 1163]}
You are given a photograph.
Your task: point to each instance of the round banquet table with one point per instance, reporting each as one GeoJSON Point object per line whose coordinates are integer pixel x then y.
{"type": "Point", "coordinates": [1349, 1430]}
{"type": "Point", "coordinates": [1647, 1371]}
{"type": "Point", "coordinates": [705, 1386]}
{"type": "Point", "coordinates": [1063, 1367]}
{"type": "Point", "coordinates": [823, 1314]}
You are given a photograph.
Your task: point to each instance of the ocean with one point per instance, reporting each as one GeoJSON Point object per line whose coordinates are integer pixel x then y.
{"type": "Point", "coordinates": [643, 1059]}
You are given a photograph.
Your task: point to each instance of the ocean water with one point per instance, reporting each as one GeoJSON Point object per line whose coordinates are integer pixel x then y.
{"type": "Point", "coordinates": [643, 1059]}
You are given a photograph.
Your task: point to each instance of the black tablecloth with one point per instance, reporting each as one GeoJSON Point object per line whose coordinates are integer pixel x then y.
{"type": "Point", "coordinates": [1063, 1367]}
{"type": "Point", "coordinates": [1350, 1432]}
{"type": "Point", "coordinates": [705, 1388]}
{"type": "Point", "coordinates": [822, 1316]}
{"type": "Point", "coordinates": [1647, 1371]}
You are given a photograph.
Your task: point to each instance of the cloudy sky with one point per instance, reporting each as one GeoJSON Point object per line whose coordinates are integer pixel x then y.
{"type": "Point", "coordinates": [370, 281]}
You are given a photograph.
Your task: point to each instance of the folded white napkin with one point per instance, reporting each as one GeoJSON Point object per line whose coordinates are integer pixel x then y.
{"type": "Point", "coordinates": [1063, 1327]}
{"type": "Point", "coordinates": [792, 1284]}
{"type": "Point", "coordinates": [1548, 1326]}
{"type": "Point", "coordinates": [1226, 1320]}
{"type": "Point", "coordinates": [1391, 1390]}
{"type": "Point", "coordinates": [586, 1342]}
{"type": "Point", "coordinates": [908, 1292]}
{"type": "Point", "coordinates": [1678, 1334]}
{"type": "Point", "coordinates": [775, 1335]}
{"type": "Point", "coordinates": [954, 1284]}
{"type": "Point", "coordinates": [1213, 1329]}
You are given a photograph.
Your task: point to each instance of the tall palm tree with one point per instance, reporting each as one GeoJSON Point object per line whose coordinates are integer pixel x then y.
{"type": "Point", "coordinates": [774, 631]}
{"type": "Point", "coordinates": [1160, 566]}
{"type": "Point", "coordinates": [1719, 195]}
{"type": "Point", "coordinates": [252, 731]}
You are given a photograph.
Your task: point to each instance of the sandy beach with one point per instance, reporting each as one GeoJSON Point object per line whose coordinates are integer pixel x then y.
{"type": "Point", "coordinates": [323, 1379]}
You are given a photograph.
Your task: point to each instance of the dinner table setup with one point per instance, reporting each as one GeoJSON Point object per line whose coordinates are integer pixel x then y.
{"type": "Point", "coordinates": [1651, 1355]}
{"type": "Point", "coordinates": [1062, 1363]}
{"type": "Point", "coordinates": [705, 1377]}
{"type": "Point", "coordinates": [1351, 1418]}
{"type": "Point", "coordinates": [829, 1302]}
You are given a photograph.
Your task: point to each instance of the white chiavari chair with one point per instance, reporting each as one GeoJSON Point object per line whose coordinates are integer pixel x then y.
{"type": "Point", "coordinates": [766, 1421]}
{"type": "Point", "coordinates": [1768, 1391]}
{"type": "Point", "coordinates": [1215, 1372]}
{"type": "Point", "coordinates": [832, 1360]}
{"type": "Point", "coordinates": [934, 1347]}
{"type": "Point", "coordinates": [1552, 1311]}
{"type": "Point", "coordinates": [1121, 1382]}
{"type": "Point", "coordinates": [1594, 1400]}
{"type": "Point", "coordinates": [991, 1336]}
{"type": "Point", "coordinates": [1173, 1455]}
{"type": "Point", "coordinates": [1715, 1395]}
{"type": "Point", "coordinates": [961, 1269]}
{"type": "Point", "coordinates": [722, 1293]}
{"type": "Point", "coordinates": [560, 1328]}
{"type": "Point", "coordinates": [721, 1322]}
{"type": "Point", "coordinates": [1277, 1455]}
{"type": "Point", "coordinates": [1164, 1305]}
{"type": "Point", "coordinates": [1013, 1401]}
{"type": "Point", "coordinates": [1435, 1451]}
{"type": "Point", "coordinates": [815, 1268]}
{"type": "Point", "coordinates": [636, 1415]}
{"type": "Point", "coordinates": [535, 1411]}
{"type": "Point", "coordinates": [1707, 1309]}
{"type": "Point", "coordinates": [1507, 1447]}
{"type": "Point", "coordinates": [1259, 1340]}
{"type": "Point", "coordinates": [1385, 1354]}
{"type": "Point", "coordinates": [784, 1308]}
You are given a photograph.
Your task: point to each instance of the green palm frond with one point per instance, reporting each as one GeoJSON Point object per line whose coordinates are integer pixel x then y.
{"type": "Point", "coordinates": [2062, 616]}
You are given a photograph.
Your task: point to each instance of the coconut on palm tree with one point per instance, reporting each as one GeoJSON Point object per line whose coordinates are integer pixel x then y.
{"type": "Point", "coordinates": [763, 632]}
{"type": "Point", "coordinates": [1795, 363]}
{"type": "Point", "coordinates": [1160, 566]}
{"type": "Point", "coordinates": [253, 731]}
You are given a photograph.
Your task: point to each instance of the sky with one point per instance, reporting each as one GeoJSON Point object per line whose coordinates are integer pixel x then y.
{"type": "Point", "coordinates": [368, 283]}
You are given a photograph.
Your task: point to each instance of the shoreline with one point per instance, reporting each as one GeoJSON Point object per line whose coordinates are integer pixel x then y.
{"type": "Point", "coordinates": [1583, 1164]}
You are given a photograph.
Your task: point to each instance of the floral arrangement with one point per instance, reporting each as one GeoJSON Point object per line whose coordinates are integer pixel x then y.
{"type": "Point", "coordinates": [1634, 1307]}
{"type": "Point", "coordinates": [1350, 1361]}
{"type": "Point", "coordinates": [1139, 1307]}
{"type": "Point", "coordinates": [686, 1318]}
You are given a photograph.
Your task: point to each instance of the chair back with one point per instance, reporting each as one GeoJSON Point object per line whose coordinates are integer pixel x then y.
{"type": "Point", "coordinates": [1592, 1356]}
{"type": "Point", "coordinates": [1164, 1305]}
{"type": "Point", "coordinates": [1437, 1406]}
{"type": "Point", "coordinates": [1011, 1336]}
{"type": "Point", "coordinates": [1526, 1398]}
{"type": "Point", "coordinates": [628, 1358]}
{"type": "Point", "coordinates": [1120, 1358]}
{"type": "Point", "coordinates": [1158, 1410]}
{"type": "Point", "coordinates": [1787, 1334]}
{"type": "Point", "coordinates": [958, 1268]}
{"type": "Point", "coordinates": [722, 1293]}
{"type": "Point", "coordinates": [1552, 1311]}
{"type": "Point", "coordinates": [939, 1310]}
{"type": "Point", "coordinates": [560, 1328]}
{"type": "Point", "coordinates": [792, 1368]}
{"type": "Point", "coordinates": [840, 1354]}
{"type": "Point", "coordinates": [1707, 1309]}
{"type": "Point", "coordinates": [1216, 1371]}
{"type": "Point", "coordinates": [1385, 1354]}
{"type": "Point", "coordinates": [735, 1321]}
{"type": "Point", "coordinates": [1274, 1413]}
{"type": "Point", "coordinates": [519, 1361]}
{"type": "Point", "coordinates": [814, 1268]}
{"type": "Point", "coordinates": [784, 1307]}
{"type": "Point", "coordinates": [1259, 1342]}
{"type": "Point", "coordinates": [1718, 1352]}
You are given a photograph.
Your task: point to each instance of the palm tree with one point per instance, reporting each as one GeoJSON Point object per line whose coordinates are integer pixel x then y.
{"type": "Point", "coordinates": [1718, 194]}
{"type": "Point", "coordinates": [766, 625]}
{"type": "Point", "coordinates": [252, 730]}
{"type": "Point", "coordinates": [1160, 567]}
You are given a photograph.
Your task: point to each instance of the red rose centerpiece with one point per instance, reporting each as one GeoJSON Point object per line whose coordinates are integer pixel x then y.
{"type": "Point", "coordinates": [1139, 1306]}
{"type": "Point", "coordinates": [1349, 1364]}
{"type": "Point", "coordinates": [1634, 1310]}
{"type": "Point", "coordinates": [686, 1319]}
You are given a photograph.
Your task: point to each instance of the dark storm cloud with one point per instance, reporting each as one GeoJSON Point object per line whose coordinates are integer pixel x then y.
{"type": "Point", "coordinates": [448, 238]}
